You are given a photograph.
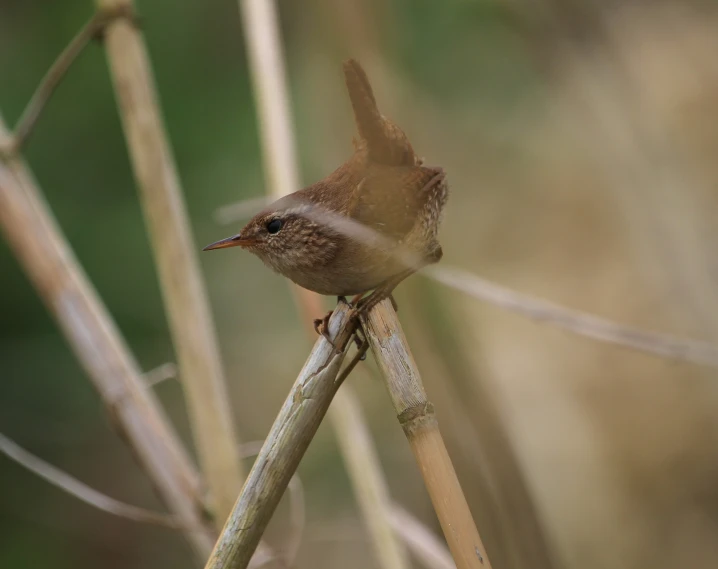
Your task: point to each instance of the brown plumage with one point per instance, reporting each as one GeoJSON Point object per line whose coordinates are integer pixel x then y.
{"type": "Point", "coordinates": [340, 236]}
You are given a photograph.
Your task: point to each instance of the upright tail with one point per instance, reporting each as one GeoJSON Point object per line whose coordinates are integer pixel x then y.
{"type": "Point", "coordinates": [386, 142]}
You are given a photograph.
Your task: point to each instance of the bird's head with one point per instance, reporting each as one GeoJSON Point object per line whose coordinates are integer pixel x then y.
{"type": "Point", "coordinates": [286, 235]}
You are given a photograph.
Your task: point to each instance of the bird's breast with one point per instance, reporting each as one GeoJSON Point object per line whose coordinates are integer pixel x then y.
{"type": "Point", "coordinates": [353, 270]}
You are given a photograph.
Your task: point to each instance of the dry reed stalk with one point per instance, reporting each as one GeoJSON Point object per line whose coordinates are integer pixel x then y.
{"type": "Point", "coordinates": [45, 255]}
{"type": "Point", "coordinates": [416, 415]}
{"type": "Point", "coordinates": [510, 520]}
{"type": "Point", "coordinates": [284, 447]}
{"type": "Point", "coordinates": [191, 326]}
{"type": "Point", "coordinates": [360, 459]}
{"type": "Point", "coordinates": [266, 60]}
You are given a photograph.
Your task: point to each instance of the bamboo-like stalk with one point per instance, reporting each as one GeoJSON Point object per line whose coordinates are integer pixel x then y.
{"type": "Point", "coordinates": [284, 447]}
{"type": "Point", "coordinates": [416, 415]}
{"type": "Point", "coordinates": [261, 29]}
{"type": "Point", "coordinates": [183, 291]}
{"type": "Point", "coordinates": [45, 255]}
{"type": "Point", "coordinates": [360, 459]}
{"type": "Point", "coordinates": [511, 525]}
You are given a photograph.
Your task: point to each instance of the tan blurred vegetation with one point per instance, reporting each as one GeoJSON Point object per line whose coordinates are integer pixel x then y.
{"type": "Point", "coordinates": [580, 142]}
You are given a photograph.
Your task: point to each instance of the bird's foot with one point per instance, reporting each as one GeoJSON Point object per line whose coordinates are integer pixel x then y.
{"type": "Point", "coordinates": [321, 327]}
{"type": "Point", "coordinates": [356, 299]}
{"type": "Point", "coordinates": [369, 302]}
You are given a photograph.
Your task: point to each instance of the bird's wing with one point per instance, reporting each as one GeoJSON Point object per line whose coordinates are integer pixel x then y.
{"type": "Point", "coordinates": [391, 199]}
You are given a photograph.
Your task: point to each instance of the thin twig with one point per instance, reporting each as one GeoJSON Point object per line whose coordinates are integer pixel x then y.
{"type": "Point", "coordinates": [161, 373]}
{"type": "Point", "coordinates": [49, 83]}
{"type": "Point", "coordinates": [576, 321]}
{"type": "Point", "coordinates": [191, 327]}
{"type": "Point", "coordinates": [54, 76]}
{"type": "Point", "coordinates": [83, 492]}
{"type": "Point", "coordinates": [44, 253]}
{"type": "Point", "coordinates": [105, 503]}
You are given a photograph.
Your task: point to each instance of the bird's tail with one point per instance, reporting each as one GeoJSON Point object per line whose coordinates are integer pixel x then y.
{"type": "Point", "coordinates": [385, 141]}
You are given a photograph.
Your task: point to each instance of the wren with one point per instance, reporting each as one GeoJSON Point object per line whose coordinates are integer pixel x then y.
{"type": "Point", "coordinates": [311, 236]}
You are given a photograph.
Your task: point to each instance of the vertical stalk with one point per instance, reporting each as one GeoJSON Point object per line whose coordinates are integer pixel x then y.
{"type": "Point", "coordinates": [266, 61]}
{"type": "Point", "coordinates": [183, 291]}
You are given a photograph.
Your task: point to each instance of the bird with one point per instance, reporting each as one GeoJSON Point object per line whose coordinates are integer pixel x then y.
{"type": "Point", "coordinates": [365, 227]}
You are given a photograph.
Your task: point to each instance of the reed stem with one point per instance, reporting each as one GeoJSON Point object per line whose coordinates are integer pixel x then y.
{"type": "Point", "coordinates": [416, 415]}
{"type": "Point", "coordinates": [51, 266]}
{"type": "Point", "coordinates": [183, 291]}
{"type": "Point", "coordinates": [284, 447]}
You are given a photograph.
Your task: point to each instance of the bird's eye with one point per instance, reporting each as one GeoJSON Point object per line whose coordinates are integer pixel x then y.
{"type": "Point", "coordinates": [274, 226]}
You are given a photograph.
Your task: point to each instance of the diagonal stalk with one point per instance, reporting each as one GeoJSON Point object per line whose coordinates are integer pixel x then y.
{"type": "Point", "coordinates": [46, 257]}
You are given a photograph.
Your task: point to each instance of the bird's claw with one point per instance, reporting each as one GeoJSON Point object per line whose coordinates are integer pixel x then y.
{"type": "Point", "coordinates": [364, 305]}
{"type": "Point", "coordinates": [321, 327]}
{"type": "Point", "coordinates": [360, 304]}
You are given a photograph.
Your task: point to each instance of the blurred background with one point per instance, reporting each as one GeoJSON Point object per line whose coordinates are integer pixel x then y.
{"type": "Point", "coordinates": [580, 140]}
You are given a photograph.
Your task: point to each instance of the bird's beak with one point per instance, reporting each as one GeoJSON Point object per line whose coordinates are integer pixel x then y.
{"type": "Point", "coordinates": [233, 241]}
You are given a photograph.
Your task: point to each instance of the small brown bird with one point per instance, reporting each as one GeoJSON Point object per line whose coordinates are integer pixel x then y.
{"type": "Point", "coordinates": [367, 226]}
